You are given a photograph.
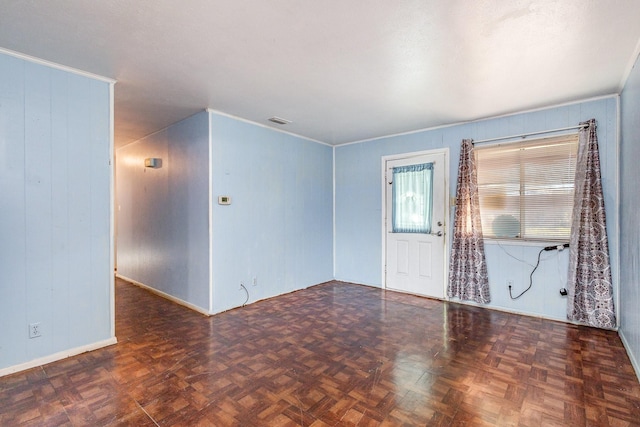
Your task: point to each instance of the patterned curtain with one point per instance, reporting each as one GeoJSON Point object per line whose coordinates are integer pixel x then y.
{"type": "Point", "coordinates": [589, 279]}
{"type": "Point", "coordinates": [468, 279]}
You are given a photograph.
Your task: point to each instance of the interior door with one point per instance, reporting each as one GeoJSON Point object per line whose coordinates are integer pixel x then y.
{"type": "Point", "coordinates": [415, 224]}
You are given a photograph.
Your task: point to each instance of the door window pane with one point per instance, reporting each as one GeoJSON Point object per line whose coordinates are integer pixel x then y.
{"type": "Point", "coordinates": [412, 198]}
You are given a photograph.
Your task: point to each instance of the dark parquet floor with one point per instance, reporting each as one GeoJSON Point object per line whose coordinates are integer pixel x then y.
{"type": "Point", "coordinates": [333, 354]}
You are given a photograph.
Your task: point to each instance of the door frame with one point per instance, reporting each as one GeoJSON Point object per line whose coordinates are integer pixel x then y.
{"type": "Point", "coordinates": [383, 168]}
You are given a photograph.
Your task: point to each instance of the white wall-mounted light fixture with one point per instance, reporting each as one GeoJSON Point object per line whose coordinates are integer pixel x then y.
{"type": "Point", "coordinates": [153, 162]}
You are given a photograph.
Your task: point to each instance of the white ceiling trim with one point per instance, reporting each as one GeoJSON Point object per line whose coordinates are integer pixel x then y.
{"type": "Point", "coordinates": [56, 65]}
{"type": "Point", "coordinates": [501, 116]}
{"type": "Point", "coordinates": [160, 131]}
{"type": "Point", "coordinates": [240, 119]}
{"type": "Point", "coordinates": [630, 65]}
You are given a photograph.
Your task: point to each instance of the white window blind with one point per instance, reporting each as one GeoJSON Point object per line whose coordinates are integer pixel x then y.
{"type": "Point", "coordinates": [526, 188]}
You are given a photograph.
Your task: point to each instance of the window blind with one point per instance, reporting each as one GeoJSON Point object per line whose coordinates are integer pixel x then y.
{"type": "Point", "coordinates": [526, 188]}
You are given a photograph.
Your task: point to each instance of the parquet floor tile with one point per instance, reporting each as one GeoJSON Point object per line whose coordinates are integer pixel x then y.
{"type": "Point", "coordinates": [335, 354]}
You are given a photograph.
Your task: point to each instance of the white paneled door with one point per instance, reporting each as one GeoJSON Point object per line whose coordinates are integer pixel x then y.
{"type": "Point", "coordinates": [415, 213]}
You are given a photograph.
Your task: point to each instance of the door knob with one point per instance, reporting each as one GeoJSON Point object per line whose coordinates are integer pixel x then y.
{"type": "Point", "coordinates": [439, 233]}
{"type": "Point", "coordinates": [439, 223]}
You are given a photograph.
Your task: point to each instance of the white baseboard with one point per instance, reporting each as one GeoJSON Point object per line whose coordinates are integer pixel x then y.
{"type": "Point", "coordinates": [632, 357]}
{"type": "Point", "coordinates": [485, 306]}
{"type": "Point", "coordinates": [165, 295]}
{"type": "Point", "coordinates": [57, 356]}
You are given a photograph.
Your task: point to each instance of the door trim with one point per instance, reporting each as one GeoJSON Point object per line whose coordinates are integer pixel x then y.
{"type": "Point", "coordinates": [448, 229]}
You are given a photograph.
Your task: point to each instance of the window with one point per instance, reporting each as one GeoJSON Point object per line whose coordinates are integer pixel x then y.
{"type": "Point", "coordinates": [412, 198]}
{"type": "Point", "coordinates": [526, 188]}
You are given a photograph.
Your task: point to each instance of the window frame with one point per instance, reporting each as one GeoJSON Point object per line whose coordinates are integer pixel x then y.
{"type": "Point", "coordinates": [525, 208]}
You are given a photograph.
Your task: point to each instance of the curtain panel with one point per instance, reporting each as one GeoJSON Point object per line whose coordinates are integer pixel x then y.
{"type": "Point", "coordinates": [468, 278]}
{"type": "Point", "coordinates": [589, 279]}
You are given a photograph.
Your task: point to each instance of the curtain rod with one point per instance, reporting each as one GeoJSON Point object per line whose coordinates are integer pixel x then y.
{"type": "Point", "coordinates": [524, 135]}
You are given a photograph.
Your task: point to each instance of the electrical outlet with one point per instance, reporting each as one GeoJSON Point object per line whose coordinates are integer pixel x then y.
{"type": "Point", "coordinates": [255, 281]}
{"type": "Point", "coordinates": [509, 283]}
{"type": "Point", "coordinates": [34, 330]}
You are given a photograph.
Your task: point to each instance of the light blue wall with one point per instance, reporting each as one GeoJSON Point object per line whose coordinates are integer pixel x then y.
{"type": "Point", "coordinates": [278, 227]}
{"type": "Point", "coordinates": [55, 233]}
{"type": "Point", "coordinates": [162, 214]}
{"type": "Point", "coordinates": [359, 206]}
{"type": "Point", "coordinates": [630, 216]}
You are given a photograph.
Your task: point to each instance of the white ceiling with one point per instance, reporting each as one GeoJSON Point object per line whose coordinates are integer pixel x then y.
{"type": "Point", "coordinates": [341, 70]}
